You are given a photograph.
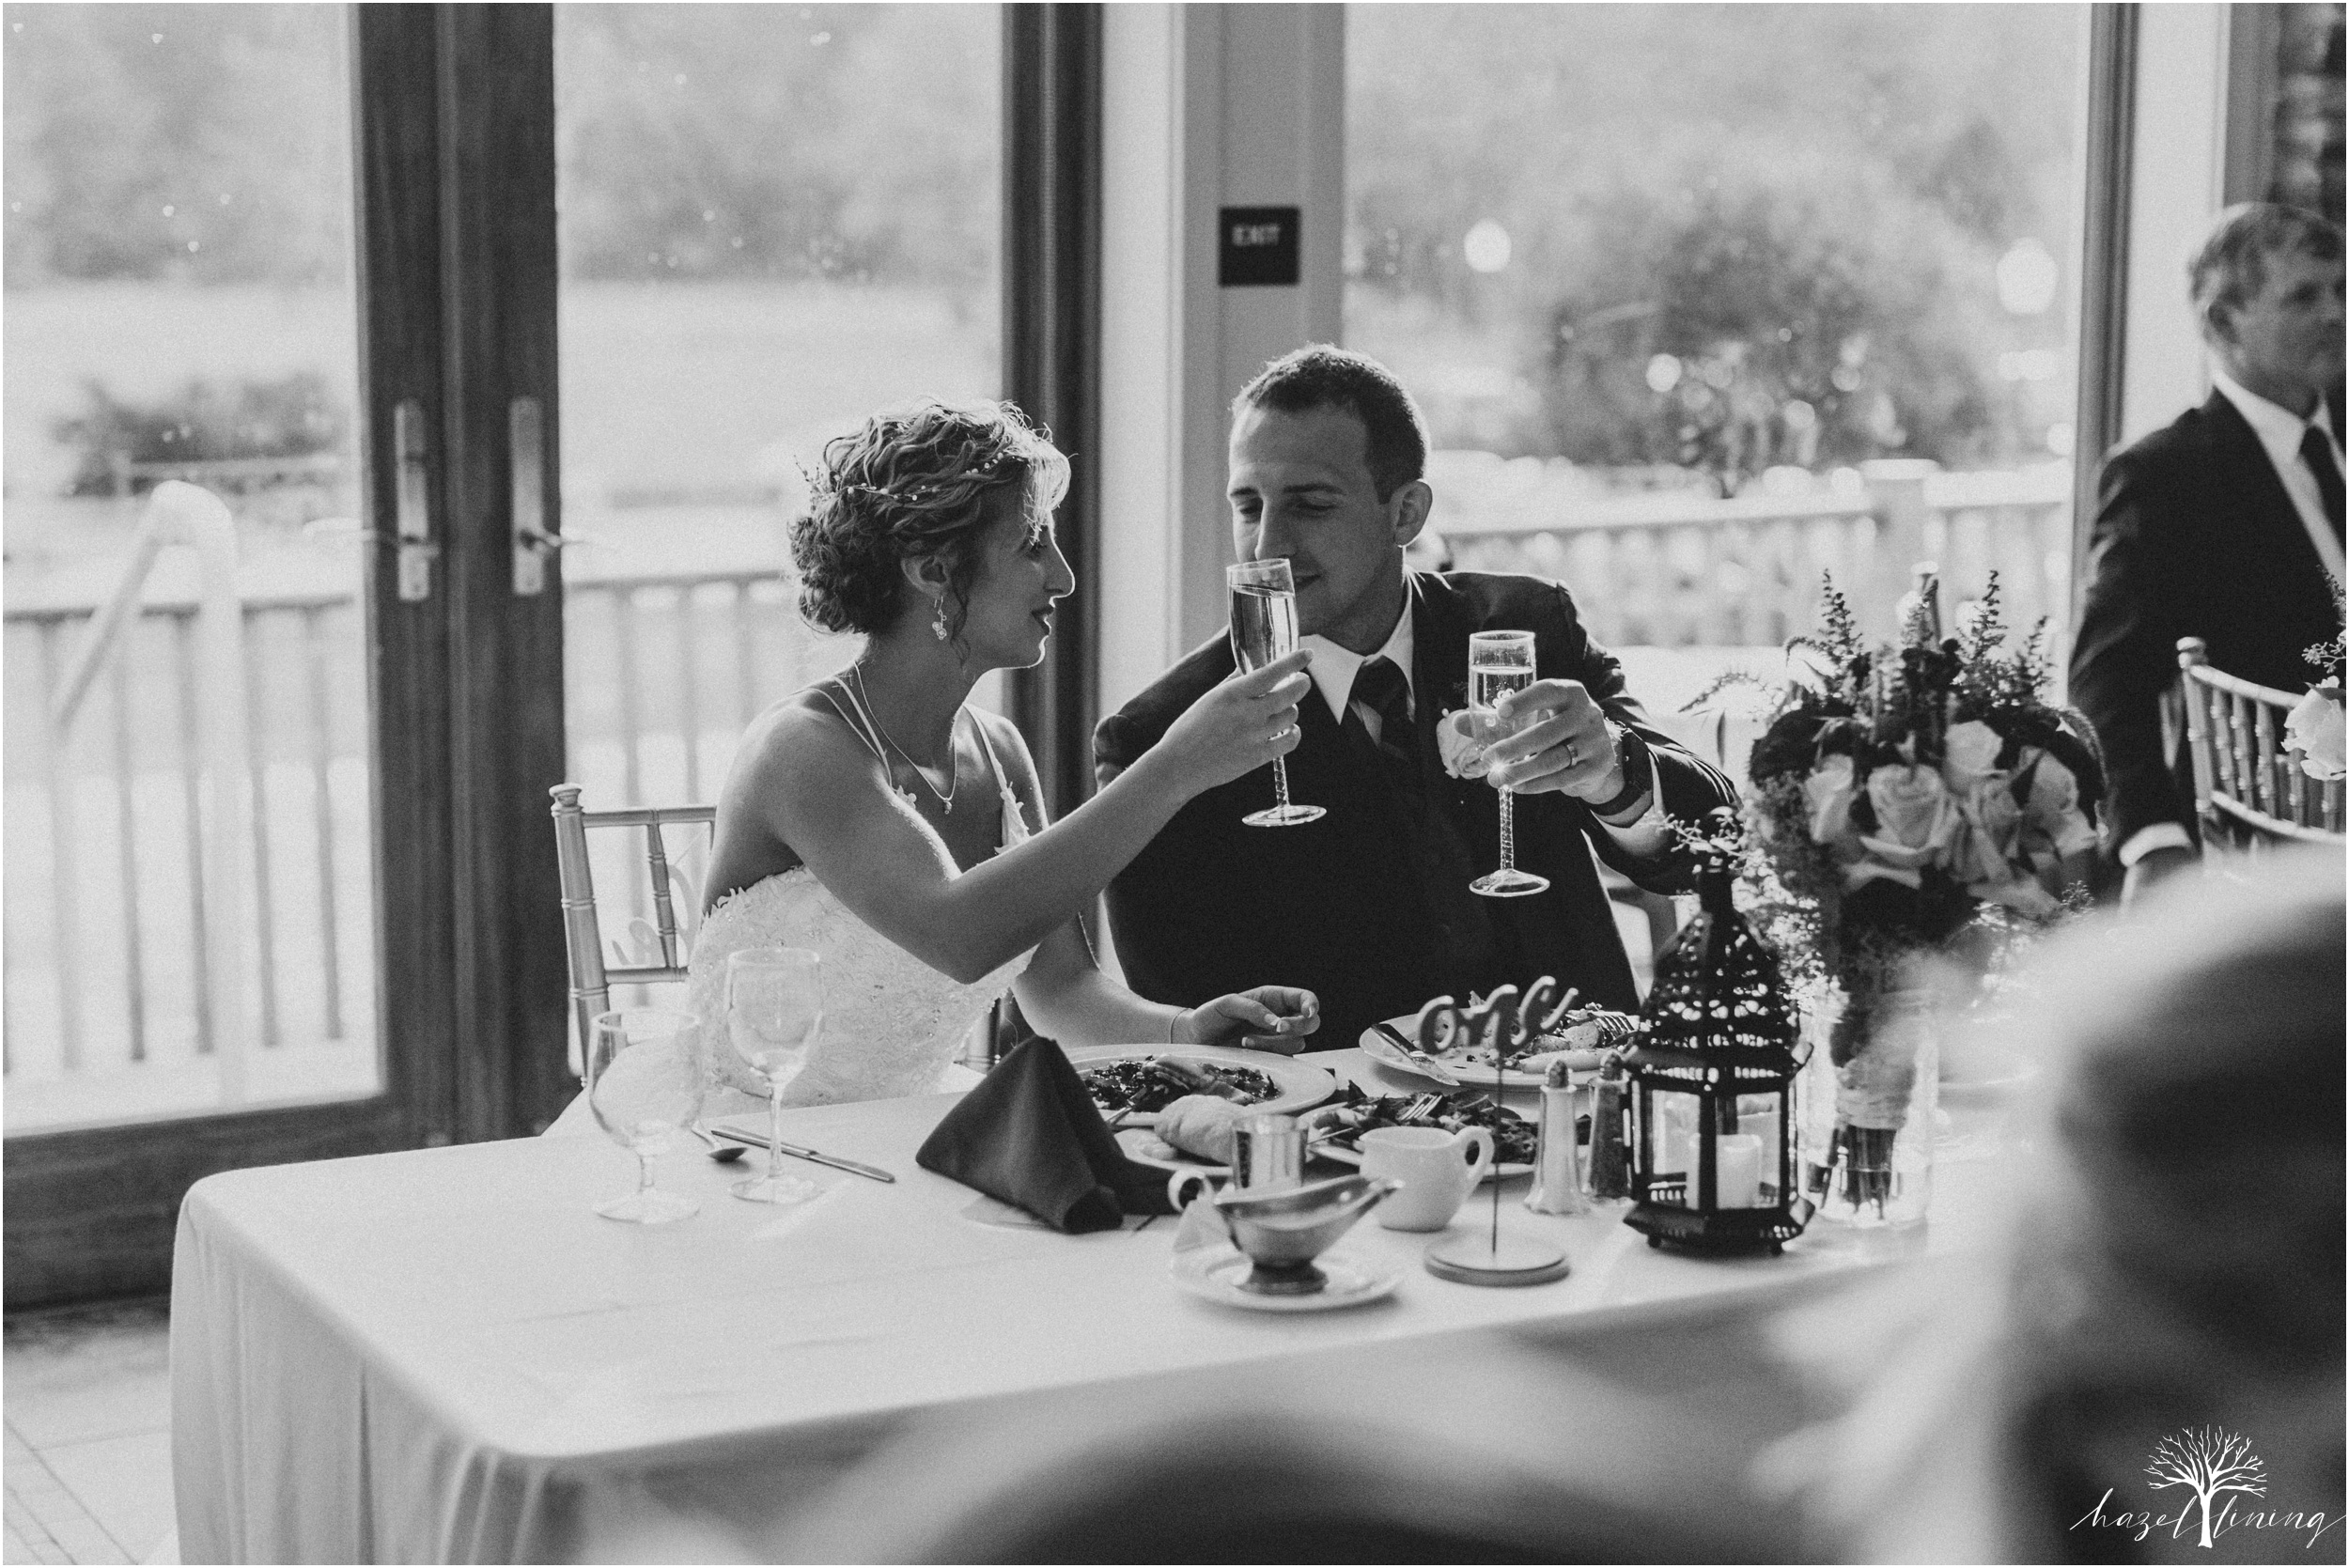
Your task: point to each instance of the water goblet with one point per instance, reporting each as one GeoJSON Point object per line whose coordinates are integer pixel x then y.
{"type": "Point", "coordinates": [1501, 662]}
{"type": "Point", "coordinates": [775, 1006]}
{"type": "Point", "coordinates": [644, 1083]}
{"type": "Point", "coordinates": [1264, 628]}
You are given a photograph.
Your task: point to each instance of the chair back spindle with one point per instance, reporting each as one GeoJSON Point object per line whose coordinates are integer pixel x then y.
{"type": "Point", "coordinates": [591, 977]}
{"type": "Point", "coordinates": [2250, 791]}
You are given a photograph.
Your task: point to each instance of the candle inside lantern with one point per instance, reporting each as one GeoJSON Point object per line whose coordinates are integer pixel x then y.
{"type": "Point", "coordinates": [1758, 1115]}
{"type": "Point", "coordinates": [1738, 1171]}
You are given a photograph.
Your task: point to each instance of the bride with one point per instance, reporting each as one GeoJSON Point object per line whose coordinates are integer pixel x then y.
{"type": "Point", "coordinates": [876, 819]}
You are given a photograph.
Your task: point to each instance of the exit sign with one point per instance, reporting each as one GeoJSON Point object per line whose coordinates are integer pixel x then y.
{"type": "Point", "coordinates": [1257, 247]}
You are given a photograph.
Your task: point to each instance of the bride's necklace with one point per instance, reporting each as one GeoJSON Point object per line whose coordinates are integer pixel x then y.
{"type": "Point", "coordinates": [954, 753]}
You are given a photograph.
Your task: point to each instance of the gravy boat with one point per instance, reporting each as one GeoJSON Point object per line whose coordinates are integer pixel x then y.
{"type": "Point", "coordinates": [1283, 1232]}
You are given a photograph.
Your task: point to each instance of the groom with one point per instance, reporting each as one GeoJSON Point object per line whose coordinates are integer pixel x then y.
{"type": "Point", "coordinates": [1369, 906]}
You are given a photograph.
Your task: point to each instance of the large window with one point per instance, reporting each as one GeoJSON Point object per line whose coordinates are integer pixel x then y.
{"type": "Point", "coordinates": [774, 219]}
{"type": "Point", "coordinates": [1701, 300]}
{"type": "Point", "coordinates": [180, 306]}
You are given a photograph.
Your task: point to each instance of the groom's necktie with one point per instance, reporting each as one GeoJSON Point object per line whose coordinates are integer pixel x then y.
{"type": "Point", "coordinates": [2317, 453]}
{"type": "Point", "coordinates": [1379, 688]}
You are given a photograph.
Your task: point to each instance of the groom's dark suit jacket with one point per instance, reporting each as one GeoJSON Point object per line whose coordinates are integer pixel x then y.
{"type": "Point", "coordinates": [1369, 906]}
{"type": "Point", "coordinates": [2195, 537]}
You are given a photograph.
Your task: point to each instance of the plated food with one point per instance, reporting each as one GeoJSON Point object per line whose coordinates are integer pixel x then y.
{"type": "Point", "coordinates": [1514, 1136]}
{"type": "Point", "coordinates": [1154, 1083]}
{"type": "Point", "coordinates": [1134, 1085]}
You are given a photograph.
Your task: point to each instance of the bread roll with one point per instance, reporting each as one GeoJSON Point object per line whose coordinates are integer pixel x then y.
{"type": "Point", "coordinates": [1200, 1125]}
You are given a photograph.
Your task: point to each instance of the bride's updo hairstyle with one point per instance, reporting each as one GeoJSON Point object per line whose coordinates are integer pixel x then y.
{"type": "Point", "coordinates": [927, 480]}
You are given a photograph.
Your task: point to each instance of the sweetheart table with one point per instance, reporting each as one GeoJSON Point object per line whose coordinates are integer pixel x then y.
{"type": "Point", "coordinates": [446, 1356]}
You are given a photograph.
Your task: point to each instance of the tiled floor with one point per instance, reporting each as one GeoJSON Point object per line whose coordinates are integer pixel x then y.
{"type": "Point", "coordinates": [88, 1400]}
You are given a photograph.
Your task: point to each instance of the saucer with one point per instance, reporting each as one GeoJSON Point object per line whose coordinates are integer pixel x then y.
{"type": "Point", "coordinates": [1214, 1273]}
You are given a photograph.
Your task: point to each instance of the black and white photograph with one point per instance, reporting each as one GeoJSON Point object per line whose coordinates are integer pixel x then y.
{"type": "Point", "coordinates": [1174, 783]}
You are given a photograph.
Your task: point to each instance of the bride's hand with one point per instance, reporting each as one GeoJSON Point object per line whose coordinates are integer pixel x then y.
{"type": "Point", "coordinates": [1236, 727]}
{"type": "Point", "coordinates": [1270, 1018]}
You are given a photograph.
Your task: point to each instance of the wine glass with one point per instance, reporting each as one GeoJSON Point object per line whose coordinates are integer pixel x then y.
{"type": "Point", "coordinates": [1264, 628]}
{"type": "Point", "coordinates": [775, 1006]}
{"type": "Point", "coordinates": [1501, 662]}
{"type": "Point", "coordinates": [644, 1083]}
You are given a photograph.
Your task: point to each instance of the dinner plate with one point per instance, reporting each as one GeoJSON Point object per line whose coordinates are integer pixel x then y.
{"type": "Point", "coordinates": [1145, 1147]}
{"type": "Point", "coordinates": [1214, 1273]}
{"type": "Point", "coordinates": [1296, 1086]}
{"type": "Point", "coordinates": [1473, 1075]}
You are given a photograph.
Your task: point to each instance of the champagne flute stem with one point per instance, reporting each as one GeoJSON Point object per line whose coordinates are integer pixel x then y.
{"type": "Point", "coordinates": [644, 1170]}
{"type": "Point", "coordinates": [1281, 780]}
{"type": "Point", "coordinates": [1508, 833]}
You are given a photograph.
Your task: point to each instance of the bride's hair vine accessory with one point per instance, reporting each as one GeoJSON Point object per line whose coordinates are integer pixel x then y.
{"type": "Point", "coordinates": [915, 483]}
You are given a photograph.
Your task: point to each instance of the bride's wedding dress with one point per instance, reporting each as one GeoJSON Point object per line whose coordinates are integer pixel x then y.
{"type": "Point", "coordinates": [892, 1024]}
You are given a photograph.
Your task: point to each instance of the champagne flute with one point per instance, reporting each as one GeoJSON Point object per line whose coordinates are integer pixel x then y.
{"type": "Point", "coordinates": [1264, 628]}
{"type": "Point", "coordinates": [1501, 662]}
{"type": "Point", "coordinates": [775, 1006]}
{"type": "Point", "coordinates": [644, 1082]}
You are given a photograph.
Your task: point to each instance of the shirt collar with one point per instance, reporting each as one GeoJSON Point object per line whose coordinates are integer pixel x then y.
{"type": "Point", "coordinates": [1333, 668]}
{"type": "Point", "coordinates": [2278, 428]}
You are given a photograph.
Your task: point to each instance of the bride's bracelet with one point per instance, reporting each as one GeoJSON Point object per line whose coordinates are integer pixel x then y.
{"type": "Point", "coordinates": [1174, 1022]}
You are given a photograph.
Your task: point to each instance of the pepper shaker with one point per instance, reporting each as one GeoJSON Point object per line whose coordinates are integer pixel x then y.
{"type": "Point", "coordinates": [1556, 1172]}
{"type": "Point", "coordinates": [1611, 1160]}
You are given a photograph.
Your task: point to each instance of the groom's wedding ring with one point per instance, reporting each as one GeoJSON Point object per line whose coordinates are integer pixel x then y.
{"type": "Point", "coordinates": [1573, 757]}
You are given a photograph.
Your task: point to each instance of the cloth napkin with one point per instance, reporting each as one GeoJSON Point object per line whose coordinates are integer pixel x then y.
{"type": "Point", "coordinates": [1029, 1134]}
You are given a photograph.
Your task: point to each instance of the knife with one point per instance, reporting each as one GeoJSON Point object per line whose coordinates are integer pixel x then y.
{"type": "Point", "coordinates": [813, 1156]}
{"type": "Point", "coordinates": [1426, 1063]}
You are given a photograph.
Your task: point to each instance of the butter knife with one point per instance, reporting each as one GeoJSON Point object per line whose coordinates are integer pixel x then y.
{"type": "Point", "coordinates": [1424, 1063]}
{"type": "Point", "coordinates": [813, 1156]}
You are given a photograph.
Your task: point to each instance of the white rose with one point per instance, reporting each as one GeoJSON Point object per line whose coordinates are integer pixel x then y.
{"type": "Point", "coordinates": [1830, 791]}
{"type": "Point", "coordinates": [2052, 818]}
{"type": "Point", "coordinates": [1916, 819]}
{"type": "Point", "coordinates": [1971, 752]}
{"type": "Point", "coordinates": [2315, 729]}
{"type": "Point", "coordinates": [1993, 824]}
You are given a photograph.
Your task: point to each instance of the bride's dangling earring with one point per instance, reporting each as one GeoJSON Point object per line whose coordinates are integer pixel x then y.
{"type": "Point", "coordinates": [938, 618]}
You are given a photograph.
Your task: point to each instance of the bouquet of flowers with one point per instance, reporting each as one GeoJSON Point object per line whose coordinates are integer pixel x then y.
{"type": "Point", "coordinates": [2314, 728]}
{"type": "Point", "coordinates": [1906, 801]}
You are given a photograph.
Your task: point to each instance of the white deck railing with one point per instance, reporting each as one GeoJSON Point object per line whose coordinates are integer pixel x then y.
{"type": "Point", "coordinates": [110, 1011]}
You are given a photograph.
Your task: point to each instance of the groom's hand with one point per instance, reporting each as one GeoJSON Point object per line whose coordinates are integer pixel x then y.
{"type": "Point", "coordinates": [1567, 748]}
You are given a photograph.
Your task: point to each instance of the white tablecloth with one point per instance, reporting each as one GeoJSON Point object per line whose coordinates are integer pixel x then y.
{"type": "Point", "coordinates": [446, 1354]}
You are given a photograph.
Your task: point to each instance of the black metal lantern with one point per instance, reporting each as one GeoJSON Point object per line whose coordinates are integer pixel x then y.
{"type": "Point", "coordinates": [1713, 1089]}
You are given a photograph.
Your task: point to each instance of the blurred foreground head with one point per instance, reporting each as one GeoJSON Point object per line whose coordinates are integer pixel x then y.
{"type": "Point", "coordinates": [2174, 1259]}
{"type": "Point", "coordinates": [2183, 1266]}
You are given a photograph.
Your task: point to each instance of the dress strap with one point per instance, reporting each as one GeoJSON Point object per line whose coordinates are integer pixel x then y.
{"type": "Point", "coordinates": [854, 716]}
{"type": "Point", "coordinates": [1014, 825]}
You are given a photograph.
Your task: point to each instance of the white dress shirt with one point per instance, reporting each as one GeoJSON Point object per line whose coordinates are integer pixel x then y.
{"type": "Point", "coordinates": [2280, 432]}
{"type": "Point", "coordinates": [1333, 669]}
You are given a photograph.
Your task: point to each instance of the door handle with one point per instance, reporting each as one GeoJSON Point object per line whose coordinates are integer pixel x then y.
{"type": "Point", "coordinates": [527, 447]}
{"type": "Point", "coordinates": [412, 509]}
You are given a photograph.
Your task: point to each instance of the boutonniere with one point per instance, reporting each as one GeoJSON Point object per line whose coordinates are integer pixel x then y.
{"type": "Point", "coordinates": [1457, 743]}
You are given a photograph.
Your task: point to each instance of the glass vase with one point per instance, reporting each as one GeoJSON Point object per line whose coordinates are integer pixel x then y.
{"type": "Point", "coordinates": [1869, 1094]}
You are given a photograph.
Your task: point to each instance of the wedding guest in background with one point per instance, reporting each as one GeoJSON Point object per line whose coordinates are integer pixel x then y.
{"type": "Point", "coordinates": [2222, 525]}
{"type": "Point", "coordinates": [1369, 908]}
{"type": "Point", "coordinates": [2172, 1262]}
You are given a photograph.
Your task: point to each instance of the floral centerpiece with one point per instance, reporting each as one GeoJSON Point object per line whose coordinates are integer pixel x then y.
{"type": "Point", "coordinates": [1905, 802]}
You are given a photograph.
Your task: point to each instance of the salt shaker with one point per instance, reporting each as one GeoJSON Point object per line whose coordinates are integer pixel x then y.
{"type": "Point", "coordinates": [1556, 1172]}
{"type": "Point", "coordinates": [1611, 1160]}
